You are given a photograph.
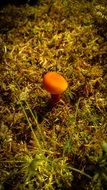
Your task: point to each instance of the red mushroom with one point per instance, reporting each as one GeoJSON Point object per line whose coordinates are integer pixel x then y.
{"type": "Point", "coordinates": [55, 84]}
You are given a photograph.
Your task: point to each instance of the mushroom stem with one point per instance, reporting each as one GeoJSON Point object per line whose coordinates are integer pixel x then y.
{"type": "Point", "coordinates": [55, 98]}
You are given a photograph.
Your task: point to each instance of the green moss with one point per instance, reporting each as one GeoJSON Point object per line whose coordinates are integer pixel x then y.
{"type": "Point", "coordinates": [44, 147]}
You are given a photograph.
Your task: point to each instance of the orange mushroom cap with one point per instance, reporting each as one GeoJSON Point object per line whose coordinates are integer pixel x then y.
{"type": "Point", "coordinates": [54, 83]}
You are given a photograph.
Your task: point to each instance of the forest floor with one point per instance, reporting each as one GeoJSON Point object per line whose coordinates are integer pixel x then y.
{"type": "Point", "coordinates": [63, 147]}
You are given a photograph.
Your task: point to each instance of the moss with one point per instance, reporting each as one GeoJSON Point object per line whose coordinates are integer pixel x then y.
{"type": "Point", "coordinates": [61, 145]}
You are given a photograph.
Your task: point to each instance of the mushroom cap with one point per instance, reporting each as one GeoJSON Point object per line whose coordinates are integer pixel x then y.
{"type": "Point", "coordinates": [54, 83]}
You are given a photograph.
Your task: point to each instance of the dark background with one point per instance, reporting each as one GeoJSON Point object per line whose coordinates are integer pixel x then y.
{"type": "Point", "coordinates": [17, 2]}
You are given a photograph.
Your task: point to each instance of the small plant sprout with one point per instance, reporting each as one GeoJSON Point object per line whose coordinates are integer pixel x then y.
{"type": "Point", "coordinates": [55, 84]}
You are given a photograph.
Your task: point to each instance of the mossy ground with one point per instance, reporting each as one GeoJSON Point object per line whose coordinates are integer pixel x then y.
{"type": "Point", "coordinates": [57, 148]}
